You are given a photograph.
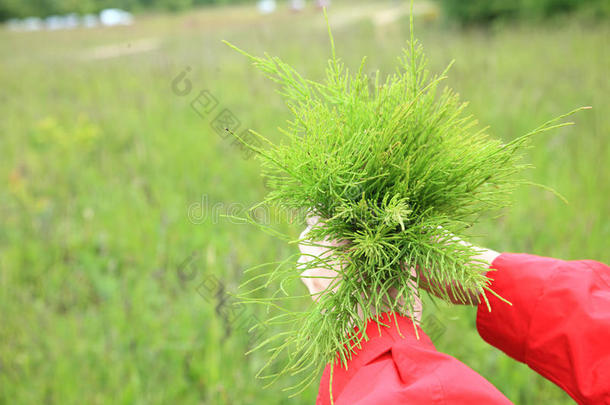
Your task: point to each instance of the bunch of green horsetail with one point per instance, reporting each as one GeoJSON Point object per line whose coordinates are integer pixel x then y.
{"type": "Point", "coordinates": [396, 168]}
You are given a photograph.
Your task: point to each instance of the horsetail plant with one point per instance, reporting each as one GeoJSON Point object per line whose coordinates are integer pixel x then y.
{"type": "Point", "coordinates": [395, 170]}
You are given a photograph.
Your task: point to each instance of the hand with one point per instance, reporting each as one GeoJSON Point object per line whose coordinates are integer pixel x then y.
{"type": "Point", "coordinates": [456, 293]}
{"type": "Point", "coordinates": [320, 280]}
{"type": "Point", "coordinates": [317, 280]}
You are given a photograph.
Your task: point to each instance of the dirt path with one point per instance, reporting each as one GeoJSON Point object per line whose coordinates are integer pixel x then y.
{"type": "Point", "coordinates": [341, 17]}
{"type": "Point", "coordinates": [123, 48]}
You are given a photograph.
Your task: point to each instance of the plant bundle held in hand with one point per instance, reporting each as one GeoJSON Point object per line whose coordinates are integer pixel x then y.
{"type": "Point", "coordinates": [395, 170]}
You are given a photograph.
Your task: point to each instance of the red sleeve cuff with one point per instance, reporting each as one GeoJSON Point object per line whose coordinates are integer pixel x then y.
{"type": "Point", "coordinates": [519, 279]}
{"type": "Point", "coordinates": [380, 340]}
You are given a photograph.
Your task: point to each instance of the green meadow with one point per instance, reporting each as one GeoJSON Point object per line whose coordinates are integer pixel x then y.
{"type": "Point", "coordinates": [117, 260]}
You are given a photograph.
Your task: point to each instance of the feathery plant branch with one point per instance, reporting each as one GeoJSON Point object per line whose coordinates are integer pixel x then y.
{"type": "Point", "coordinates": [394, 169]}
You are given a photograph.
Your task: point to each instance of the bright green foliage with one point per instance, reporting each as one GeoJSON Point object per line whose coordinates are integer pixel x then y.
{"type": "Point", "coordinates": [395, 167]}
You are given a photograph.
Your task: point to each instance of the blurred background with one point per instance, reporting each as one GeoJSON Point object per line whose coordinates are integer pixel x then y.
{"type": "Point", "coordinates": [117, 266]}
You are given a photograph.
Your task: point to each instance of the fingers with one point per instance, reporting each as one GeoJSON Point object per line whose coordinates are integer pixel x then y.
{"type": "Point", "coordinates": [452, 291]}
{"type": "Point", "coordinates": [317, 279]}
{"type": "Point", "coordinates": [312, 220]}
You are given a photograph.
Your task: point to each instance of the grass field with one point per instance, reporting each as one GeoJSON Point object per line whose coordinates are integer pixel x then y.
{"type": "Point", "coordinates": [115, 262]}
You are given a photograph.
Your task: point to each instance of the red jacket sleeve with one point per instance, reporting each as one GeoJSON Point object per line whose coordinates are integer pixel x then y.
{"type": "Point", "coordinates": [558, 323]}
{"type": "Point", "coordinates": [395, 367]}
